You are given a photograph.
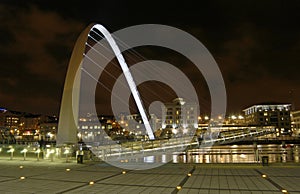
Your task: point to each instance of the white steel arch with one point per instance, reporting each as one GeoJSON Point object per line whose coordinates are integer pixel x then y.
{"type": "Point", "coordinates": [68, 118]}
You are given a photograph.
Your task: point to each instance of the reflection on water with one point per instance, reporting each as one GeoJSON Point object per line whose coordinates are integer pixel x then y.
{"type": "Point", "coordinates": [239, 154]}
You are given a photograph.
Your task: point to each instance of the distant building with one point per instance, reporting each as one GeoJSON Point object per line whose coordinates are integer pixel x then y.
{"type": "Point", "coordinates": [235, 119]}
{"type": "Point", "coordinates": [48, 128]}
{"type": "Point", "coordinates": [91, 127]}
{"type": "Point", "coordinates": [23, 126]}
{"type": "Point", "coordinates": [180, 115]}
{"type": "Point", "coordinates": [10, 119]}
{"type": "Point", "coordinates": [273, 114]}
{"type": "Point", "coordinates": [135, 121]}
{"type": "Point", "coordinates": [295, 118]}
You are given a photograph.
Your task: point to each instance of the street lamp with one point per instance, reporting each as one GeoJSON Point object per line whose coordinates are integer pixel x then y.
{"type": "Point", "coordinates": [67, 151]}
{"type": "Point", "coordinates": [24, 151]}
{"type": "Point", "coordinates": [240, 117]}
{"type": "Point", "coordinates": [11, 151]}
{"type": "Point", "coordinates": [51, 152]}
{"type": "Point", "coordinates": [38, 151]}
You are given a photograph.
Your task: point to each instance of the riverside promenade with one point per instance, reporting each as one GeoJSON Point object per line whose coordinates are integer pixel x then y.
{"type": "Point", "coordinates": [59, 176]}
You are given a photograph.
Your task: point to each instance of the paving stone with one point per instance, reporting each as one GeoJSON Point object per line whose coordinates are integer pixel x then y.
{"type": "Point", "coordinates": [52, 177]}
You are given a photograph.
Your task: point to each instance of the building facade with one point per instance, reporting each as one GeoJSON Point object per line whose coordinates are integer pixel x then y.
{"type": "Point", "coordinates": [134, 124]}
{"type": "Point", "coordinates": [277, 115]}
{"type": "Point", "coordinates": [295, 116]}
{"type": "Point", "coordinates": [180, 115]}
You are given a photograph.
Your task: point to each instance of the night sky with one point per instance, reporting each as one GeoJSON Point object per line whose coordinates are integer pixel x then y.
{"type": "Point", "coordinates": [255, 43]}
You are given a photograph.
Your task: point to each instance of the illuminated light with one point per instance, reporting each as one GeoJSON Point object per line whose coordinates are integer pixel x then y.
{"type": "Point", "coordinates": [174, 131]}
{"type": "Point", "coordinates": [66, 152]}
{"type": "Point", "coordinates": [123, 172]}
{"type": "Point", "coordinates": [68, 169]}
{"type": "Point", "coordinates": [22, 177]}
{"type": "Point", "coordinates": [24, 150]}
{"type": "Point", "coordinates": [243, 156]}
{"type": "Point", "coordinates": [50, 135]}
{"type": "Point", "coordinates": [91, 182]}
{"type": "Point", "coordinates": [21, 167]}
{"type": "Point", "coordinates": [189, 174]}
{"type": "Point", "coordinates": [233, 117]}
{"type": "Point", "coordinates": [222, 160]}
{"type": "Point", "coordinates": [178, 187]}
{"type": "Point", "coordinates": [206, 118]}
{"type": "Point", "coordinates": [284, 191]}
{"type": "Point", "coordinates": [264, 176]}
{"type": "Point", "coordinates": [11, 150]}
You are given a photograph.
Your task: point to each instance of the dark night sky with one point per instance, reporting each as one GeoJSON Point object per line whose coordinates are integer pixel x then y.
{"type": "Point", "coordinates": [255, 43]}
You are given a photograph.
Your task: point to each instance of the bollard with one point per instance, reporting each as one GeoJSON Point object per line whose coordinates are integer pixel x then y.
{"type": "Point", "coordinates": [265, 160]}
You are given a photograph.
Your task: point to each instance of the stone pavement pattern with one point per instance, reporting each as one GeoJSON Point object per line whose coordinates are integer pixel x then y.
{"type": "Point", "coordinates": [53, 177]}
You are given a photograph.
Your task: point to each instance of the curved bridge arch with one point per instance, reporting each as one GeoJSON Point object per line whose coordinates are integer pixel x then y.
{"type": "Point", "coordinates": [67, 123]}
{"type": "Point", "coordinates": [68, 119]}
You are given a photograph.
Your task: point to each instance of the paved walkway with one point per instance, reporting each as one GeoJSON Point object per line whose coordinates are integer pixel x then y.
{"type": "Point", "coordinates": [19, 176]}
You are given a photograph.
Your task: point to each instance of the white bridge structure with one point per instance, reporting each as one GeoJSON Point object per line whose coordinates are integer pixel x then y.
{"type": "Point", "coordinates": [68, 119]}
{"type": "Point", "coordinates": [130, 150]}
{"type": "Point", "coordinates": [110, 150]}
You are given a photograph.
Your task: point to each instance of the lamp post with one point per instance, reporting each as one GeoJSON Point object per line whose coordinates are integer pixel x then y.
{"type": "Point", "coordinates": [38, 151]}
{"type": "Point", "coordinates": [67, 151]}
{"type": "Point", "coordinates": [24, 151]}
{"type": "Point", "coordinates": [11, 151]}
{"type": "Point", "coordinates": [51, 154]}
